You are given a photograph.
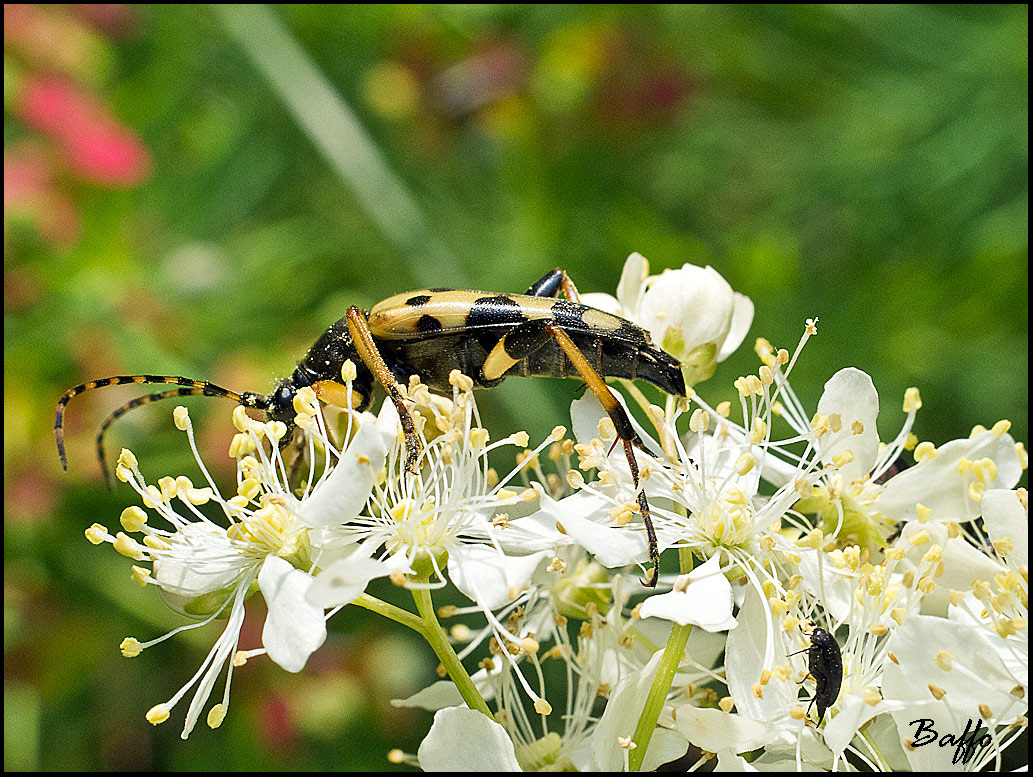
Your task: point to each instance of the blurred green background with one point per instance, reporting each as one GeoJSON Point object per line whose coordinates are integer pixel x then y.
{"type": "Point", "coordinates": [202, 191]}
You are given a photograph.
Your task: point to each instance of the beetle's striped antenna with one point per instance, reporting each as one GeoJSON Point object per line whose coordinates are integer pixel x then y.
{"type": "Point", "coordinates": [190, 386]}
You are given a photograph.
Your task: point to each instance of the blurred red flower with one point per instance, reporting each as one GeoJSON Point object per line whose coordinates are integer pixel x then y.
{"type": "Point", "coordinates": [96, 146]}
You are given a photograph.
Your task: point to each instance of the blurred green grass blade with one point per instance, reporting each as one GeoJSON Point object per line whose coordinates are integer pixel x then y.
{"type": "Point", "coordinates": [340, 137]}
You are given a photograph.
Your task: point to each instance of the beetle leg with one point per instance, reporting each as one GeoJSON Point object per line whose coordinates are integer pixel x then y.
{"type": "Point", "coordinates": [553, 282]}
{"type": "Point", "coordinates": [366, 347]}
{"type": "Point", "coordinates": [621, 422]}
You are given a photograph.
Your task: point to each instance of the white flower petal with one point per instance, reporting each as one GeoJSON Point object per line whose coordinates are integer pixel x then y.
{"type": "Point", "coordinates": [1005, 517]}
{"type": "Point", "coordinates": [293, 629]}
{"type": "Point", "coordinates": [629, 289]}
{"type": "Point", "coordinates": [853, 713]}
{"type": "Point", "coordinates": [742, 319]}
{"type": "Point", "coordinates": [343, 581]}
{"type": "Point", "coordinates": [464, 740]}
{"type": "Point", "coordinates": [581, 515]}
{"type": "Point", "coordinates": [851, 395]}
{"type": "Point", "coordinates": [489, 577]}
{"type": "Point", "coordinates": [620, 718]}
{"type": "Point", "coordinates": [978, 675]}
{"type": "Point", "coordinates": [345, 491]}
{"type": "Point", "coordinates": [703, 598]}
{"type": "Point", "coordinates": [713, 730]}
{"type": "Point", "coordinates": [937, 483]}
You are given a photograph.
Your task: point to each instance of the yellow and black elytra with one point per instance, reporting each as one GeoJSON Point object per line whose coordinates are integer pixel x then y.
{"type": "Point", "coordinates": [430, 333]}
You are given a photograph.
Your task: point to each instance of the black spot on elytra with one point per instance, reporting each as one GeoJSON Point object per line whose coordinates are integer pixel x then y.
{"type": "Point", "coordinates": [428, 324]}
{"type": "Point", "coordinates": [418, 300]}
{"type": "Point", "coordinates": [568, 314]}
{"type": "Point", "coordinates": [499, 310]}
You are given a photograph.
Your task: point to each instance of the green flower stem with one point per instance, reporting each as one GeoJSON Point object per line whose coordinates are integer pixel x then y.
{"type": "Point", "coordinates": [396, 614]}
{"type": "Point", "coordinates": [673, 653]}
{"type": "Point", "coordinates": [438, 639]}
{"type": "Point", "coordinates": [672, 657]}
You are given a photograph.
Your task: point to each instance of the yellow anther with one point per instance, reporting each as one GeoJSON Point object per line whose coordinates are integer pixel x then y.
{"type": "Point", "coordinates": [724, 409]}
{"type": "Point", "coordinates": [765, 375]}
{"type": "Point", "coordinates": [872, 697]}
{"type": "Point", "coordinates": [976, 491]}
{"type": "Point", "coordinates": [898, 614]}
{"type": "Point", "coordinates": [763, 348]}
{"type": "Point", "coordinates": [156, 543]}
{"type": "Point", "coordinates": [127, 459]}
{"type": "Point", "coordinates": [933, 555]}
{"type": "Point", "coordinates": [1020, 451]}
{"type": "Point", "coordinates": [920, 538]}
{"type": "Point", "coordinates": [937, 692]}
{"type": "Point", "coordinates": [132, 519]}
{"type": "Point", "coordinates": [912, 400]}
{"type": "Point", "coordinates": [985, 470]}
{"type": "Point", "coordinates": [125, 545]}
{"type": "Point", "coordinates": [216, 715]}
{"type": "Point", "coordinates": [530, 645]}
{"type": "Point", "coordinates": [877, 629]}
{"type": "Point", "coordinates": [745, 463]}
{"type": "Point", "coordinates": [944, 660]}
{"type": "Point", "coordinates": [925, 450]}
{"type": "Point", "coordinates": [249, 488]}
{"type": "Point", "coordinates": [836, 422]}
{"type": "Point", "coordinates": [168, 487]}
{"type": "Point", "coordinates": [141, 575]}
{"type": "Point", "coordinates": [1001, 427]}
{"type": "Point", "coordinates": [910, 441]}
{"type": "Point", "coordinates": [96, 534]}
{"type": "Point", "coordinates": [758, 431]}
{"type": "Point", "coordinates": [765, 677]}
{"type": "Point", "coordinates": [159, 713]}
{"type": "Point", "coordinates": [924, 513]}
{"type": "Point", "coordinates": [981, 589]}
{"type": "Point", "coordinates": [758, 691]}
{"type": "Point", "coordinates": [699, 422]}
{"type": "Point", "coordinates": [815, 539]}
{"type": "Point", "coordinates": [542, 707]}
{"type": "Point", "coordinates": [181, 418]}
{"type": "Point", "coordinates": [241, 420]}
{"type": "Point", "coordinates": [348, 370]}
{"type": "Point", "coordinates": [1004, 546]}
{"type": "Point", "coordinates": [460, 381]}
{"type": "Point", "coordinates": [843, 458]}
{"type": "Point", "coordinates": [131, 647]}
{"type": "Point", "coordinates": [275, 430]}
{"type": "Point", "coordinates": [798, 713]}
{"type": "Point", "coordinates": [820, 425]}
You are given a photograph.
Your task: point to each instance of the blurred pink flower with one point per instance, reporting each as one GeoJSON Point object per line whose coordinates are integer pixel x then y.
{"type": "Point", "coordinates": [96, 146]}
{"type": "Point", "coordinates": [30, 195]}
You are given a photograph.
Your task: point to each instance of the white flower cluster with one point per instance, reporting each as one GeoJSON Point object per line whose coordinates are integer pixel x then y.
{"type": "Point", "coordinates": [773, 522]}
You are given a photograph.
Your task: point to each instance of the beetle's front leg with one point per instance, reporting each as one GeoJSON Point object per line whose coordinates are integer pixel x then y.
{"type": "Point", "coordinates": [366, 347]}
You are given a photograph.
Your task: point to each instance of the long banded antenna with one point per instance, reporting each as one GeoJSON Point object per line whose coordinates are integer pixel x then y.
{"type": "Point", "coordinates": [192, 388]}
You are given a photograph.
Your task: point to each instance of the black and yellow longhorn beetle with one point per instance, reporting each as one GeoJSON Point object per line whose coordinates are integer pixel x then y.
{"type": "Point", "coordinates": [430, 333]}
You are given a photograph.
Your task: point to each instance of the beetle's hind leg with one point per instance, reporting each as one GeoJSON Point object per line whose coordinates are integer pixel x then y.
{"type": "Point", "coordinates": [366, 348]}
{"type": "Point", "coordinates": [622, 424]}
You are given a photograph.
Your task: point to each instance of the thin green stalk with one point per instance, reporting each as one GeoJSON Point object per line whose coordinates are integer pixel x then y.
{"type": "Point", "coordinates": [673, 653]}
{"type": "Point", "coordinates": [438, 639]}
{"type": "Point", "coordinates": [654, 705]}
{"type": "Point", "coordinates": [396, 614]}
